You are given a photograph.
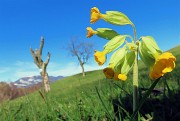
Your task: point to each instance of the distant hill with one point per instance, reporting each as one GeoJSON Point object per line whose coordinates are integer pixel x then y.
{"type": "Point", "coordinates": [30, 81]}
{"type": "Point", "coordinates": [88, 93]}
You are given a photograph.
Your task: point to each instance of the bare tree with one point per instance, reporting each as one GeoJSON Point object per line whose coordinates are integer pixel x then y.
{"type": "Point", "coordinates": [82, 50]}
{"type": "Point", "coordinates": [37, 55]}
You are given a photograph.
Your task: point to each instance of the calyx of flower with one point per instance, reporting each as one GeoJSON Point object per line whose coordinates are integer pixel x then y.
{"type": "Point", "coordinates": [148, 50]}
{"type": "Point", "coordinates": [114, 43]}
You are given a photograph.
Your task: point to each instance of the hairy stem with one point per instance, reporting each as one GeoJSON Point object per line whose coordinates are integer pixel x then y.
{"type": "Point", "coordinates": [135, 85]}
{"type": "Point", "coordinates": [135, 78]}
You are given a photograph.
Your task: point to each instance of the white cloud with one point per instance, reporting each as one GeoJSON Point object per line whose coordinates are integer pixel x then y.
{"type": "Point", "coordinates": [3, 70]}
{"type": "Point", "coordinates": [25, 73]}
{"type": "Point", "coordinates": [54, 65]}
{"type": "Point", "coordinates": [72, 68]}
{"type": "Point", "coordinates": [25, 65]}
{"type": "Point", "coordinates": [25, 69]}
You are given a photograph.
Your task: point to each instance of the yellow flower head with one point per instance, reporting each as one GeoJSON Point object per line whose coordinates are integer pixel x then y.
{"type": "Point", "coordinates": [100, 57]}
{"type": "Point", "coordinates": [90, 32]}
{"type": "Point", "coordinates": [95, 15]}
{"type": "Point", "coordinates": [108, 72]}
{"type": "Point", "coordinates": [118, 76]}
{"type": "Point", "coordinates": [164, 63]}
{"type": "Point", "coordinates": [122, 77]}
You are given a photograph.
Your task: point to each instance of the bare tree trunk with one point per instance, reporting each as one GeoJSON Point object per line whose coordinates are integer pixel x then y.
{"type": "Point", "coordinates": [82, 66]}
{"type": "Point", "coordinates": [42, 65]}
{"type": "Point", "coordinates": [45, 81]}
{"type": "Point", "coordinates": [82, 51]}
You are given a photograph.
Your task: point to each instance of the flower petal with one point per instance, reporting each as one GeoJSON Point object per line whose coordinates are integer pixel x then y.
{"type": "Point", "coordinates": [166, 55]}
{"type": "Point", "coordinates": [100, 57]}
{"type": "Point", "coordinates": [90, 32]}
{"type": "Point", "coordinates": [169, 66]}
{"type": "Point", "coordinates": [122, 77]}
{"type": "Point", "coordinates": [95, 15]}
{"type": "Point", "coordinates": [164, 63]}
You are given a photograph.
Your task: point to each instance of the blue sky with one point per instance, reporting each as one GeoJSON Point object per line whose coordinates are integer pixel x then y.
{"type": "Point", "coordinates": [23, 22]}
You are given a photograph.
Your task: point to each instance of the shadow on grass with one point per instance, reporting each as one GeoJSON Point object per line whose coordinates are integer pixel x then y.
{"type": "Point", "coordinates": [162, 105]}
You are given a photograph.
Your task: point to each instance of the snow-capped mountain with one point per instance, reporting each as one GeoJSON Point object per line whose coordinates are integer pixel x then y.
{"type": "Point", "coordinates": [30, 81]}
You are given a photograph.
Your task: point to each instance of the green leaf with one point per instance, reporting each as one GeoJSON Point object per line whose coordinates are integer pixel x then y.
{"type": "Point", "coordinates": [114, 43]}
{"type": "Point", "coordinates": [106, 33]}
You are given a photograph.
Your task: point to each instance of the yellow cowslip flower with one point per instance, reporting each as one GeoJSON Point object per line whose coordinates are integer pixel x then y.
{"type": "Point", "coordinates": [122, 77]}
{"type": "Point", "coordinates": [95, 15]}
{"type": "Point", "coordinates": [100, 57]}
{"type": "Point", "coordinates": [118, 76]}
{"type": "Point", "coordinates": [108, 72]}
{"type": "Point", "coordinates": [90, 32]}
{"type": "Point", "coordinates": [113, 17]}
{"type": "Point", "coordinates": [164, 63]}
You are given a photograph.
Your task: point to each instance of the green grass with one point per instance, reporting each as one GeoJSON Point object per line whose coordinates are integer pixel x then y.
{"type": "Point", "coordinates": [94, 98]}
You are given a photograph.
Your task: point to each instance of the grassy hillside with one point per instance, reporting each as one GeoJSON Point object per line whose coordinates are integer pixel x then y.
{"type": "Point", "coordinates": [90, 98]}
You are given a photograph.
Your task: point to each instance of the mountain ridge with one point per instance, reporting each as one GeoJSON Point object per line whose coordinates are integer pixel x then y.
{"type": "Point", "coordinates": [32, 80]}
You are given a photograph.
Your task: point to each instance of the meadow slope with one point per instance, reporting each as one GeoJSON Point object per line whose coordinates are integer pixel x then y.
{"type": "Point", "coordinates": [92, 97]}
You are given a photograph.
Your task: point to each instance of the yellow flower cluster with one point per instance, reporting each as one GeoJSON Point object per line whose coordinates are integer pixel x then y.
{"type": "Point", "coordinates": [159, 63]}
{"type": "Point", "coordinates": [100, 57]}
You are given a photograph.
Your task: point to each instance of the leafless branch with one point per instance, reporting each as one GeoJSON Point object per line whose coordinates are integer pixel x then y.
{"type": "Point", "coordinates": [82, 50]}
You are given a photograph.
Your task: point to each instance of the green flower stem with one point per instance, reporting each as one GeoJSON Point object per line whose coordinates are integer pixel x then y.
{"type": "Point", "coordinates": [135, 85]}
{"type": "Point", "coordinates": [146, 95]}
{"type": "Point", "coordinates": [134, 28]}
{"type": "Point", "coordinates": [129, 37]}
{"type": "Point", "coordinates": [135, 78]}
